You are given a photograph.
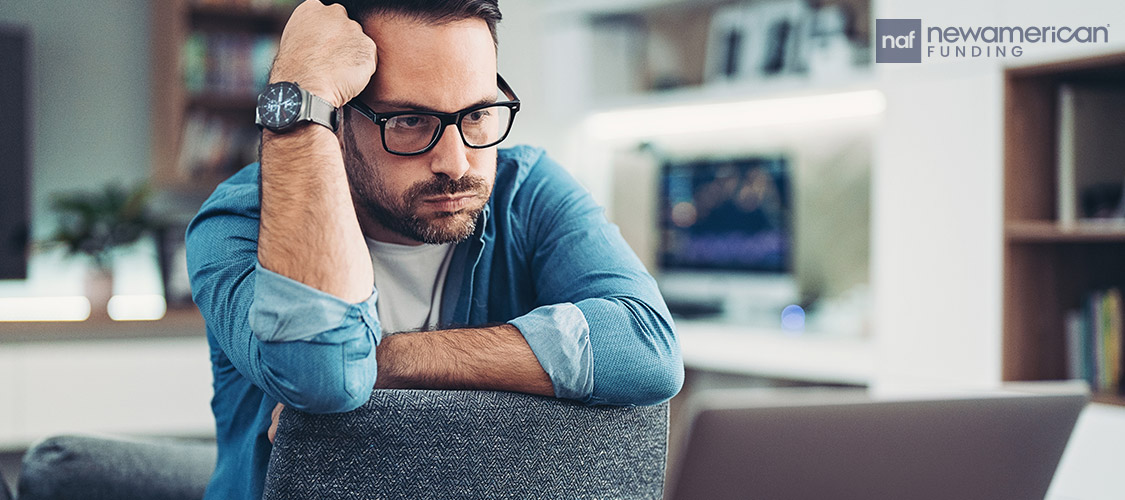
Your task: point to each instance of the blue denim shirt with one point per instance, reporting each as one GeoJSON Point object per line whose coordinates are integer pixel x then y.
{"type": "Point", "coordinates": [543, 258]}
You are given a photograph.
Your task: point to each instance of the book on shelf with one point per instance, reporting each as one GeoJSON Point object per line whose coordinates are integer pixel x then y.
{"type": "Point", "coordinates": [223, 71]}
{"type": "Point", "coordinates": [248, 4]}
{"type": "Point", "coordinates": [1090, 153]}
{"type": "Point", "coordinates": [227, 64]}
{"type": "Point", "coordinates": [214, 147]}
{"type": "Point", "coordinates": [1094, 341]}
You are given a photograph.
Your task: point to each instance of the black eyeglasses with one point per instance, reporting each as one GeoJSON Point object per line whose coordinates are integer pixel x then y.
{"type": "Point", "coordinates": [409, 133]}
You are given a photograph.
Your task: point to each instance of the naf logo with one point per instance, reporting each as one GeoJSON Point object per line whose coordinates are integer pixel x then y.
{"type": "Point", "coordinates": [898, 40]}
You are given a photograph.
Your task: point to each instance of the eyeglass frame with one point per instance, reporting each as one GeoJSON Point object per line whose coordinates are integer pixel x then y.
{"type": "Point", "coordinates": [445, 119]}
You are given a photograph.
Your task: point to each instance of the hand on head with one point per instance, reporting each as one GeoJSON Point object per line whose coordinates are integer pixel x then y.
{"type": "Point", "coordinates": [325, 52]}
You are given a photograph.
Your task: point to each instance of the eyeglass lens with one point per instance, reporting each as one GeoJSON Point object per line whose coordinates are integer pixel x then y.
{"type": "Point", "coordinates": [480, 128]}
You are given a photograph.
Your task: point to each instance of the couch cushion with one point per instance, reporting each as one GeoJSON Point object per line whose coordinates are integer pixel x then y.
{"type": "Point", "coordinates": [115, 468]}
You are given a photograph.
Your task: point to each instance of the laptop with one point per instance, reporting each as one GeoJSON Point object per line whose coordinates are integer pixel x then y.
{"type": "Point", "coordinates": [846, 444]}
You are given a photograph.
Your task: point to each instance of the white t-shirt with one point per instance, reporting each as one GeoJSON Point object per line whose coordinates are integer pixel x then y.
{"type": "Point", "coordinates": [410, 280]}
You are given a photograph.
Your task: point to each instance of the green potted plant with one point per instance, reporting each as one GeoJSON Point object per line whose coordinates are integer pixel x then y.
{"type": "Point", "coordinates": [95, 224]}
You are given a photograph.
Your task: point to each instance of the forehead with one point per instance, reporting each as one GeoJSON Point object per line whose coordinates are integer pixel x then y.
{"type": "Point", "coordinates": [444, 66]}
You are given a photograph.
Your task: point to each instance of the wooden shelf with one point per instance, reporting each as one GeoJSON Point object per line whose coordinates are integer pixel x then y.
{"type": "Point", "coordinates": [238, 17]}
{"type": "Point", "coordinates": [779, 87]}
{"type": "Point", "coordinates": [622, 71]}
{"type": "Point", "coordinates": [222, 103]}
{"type": "Point", "coordinates": [601, 8]}
{"type": "Point", "coordinates": [1109, 399]}
{"type": "Point", "coordinates": [1054, 232]}
{"type": "Point", "coordinates": [176, 323]}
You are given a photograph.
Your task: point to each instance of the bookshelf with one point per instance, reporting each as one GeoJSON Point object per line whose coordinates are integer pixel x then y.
{"type": "Point", "coordinates": [209, 60]}
{"type": "Point", "coordinates": [1040, 231]}
{"type": "Point", "coordinates": [1050, 266]}
{"type": "Point", "coordinates": [666, 50]}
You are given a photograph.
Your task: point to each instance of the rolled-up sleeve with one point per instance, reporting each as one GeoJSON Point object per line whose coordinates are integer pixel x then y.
{"type": "Point", "coordinates": [299, 329]}
{"type": "Point", "coordinates": [304, 348]}
{"type": "Point", "coordinates": [603, 332]}
{"type": "Point", "coordinates": [560, 338]}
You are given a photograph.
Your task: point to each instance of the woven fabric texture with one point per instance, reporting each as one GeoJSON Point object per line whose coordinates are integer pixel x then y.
{"type": "Point", "coordinates": [414, 444]}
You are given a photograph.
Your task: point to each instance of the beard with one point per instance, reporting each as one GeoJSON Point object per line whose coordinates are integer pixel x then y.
{"type": "Point", "coordinates": [404, 214]}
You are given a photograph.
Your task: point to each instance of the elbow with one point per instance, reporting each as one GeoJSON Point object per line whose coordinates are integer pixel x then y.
{"type": "Point", "coordinates": [310, 369]}
{"type": "Point", "coordinates": [320, 378]}
{"type": "Point", "coordinates": [668, 384]}
{"type": "Point", "coordinates": [658, 373]}
{"type": "Point", "coordinates": [647, 379]}
{"type": "Point", "coordinates": [333, 397]}
{"type": "Point", "coordinates": [657, 384]}
{"type": "Point", "coordinates": [642, 368]}
{"type": "Point", "coordinates": [326, 402]}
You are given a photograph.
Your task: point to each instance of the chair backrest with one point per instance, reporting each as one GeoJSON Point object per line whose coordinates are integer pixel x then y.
{"type": "Point", "coordinates": [470, 444]}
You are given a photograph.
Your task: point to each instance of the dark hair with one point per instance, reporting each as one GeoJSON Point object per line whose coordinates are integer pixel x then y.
{"type": "Point", "coordinates": [427, 11]}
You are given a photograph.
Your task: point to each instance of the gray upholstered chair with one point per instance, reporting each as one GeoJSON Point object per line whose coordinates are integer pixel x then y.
{"type": "Point", "coordinates": [413, 444]}
{"type": "Point", "coordinates": [401, 444]}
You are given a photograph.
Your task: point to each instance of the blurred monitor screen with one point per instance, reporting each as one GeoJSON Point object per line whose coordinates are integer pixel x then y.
{"type": "Point", "coordinates": [15, 162]}
{"type": "Point", "coordinates": [731, 215]}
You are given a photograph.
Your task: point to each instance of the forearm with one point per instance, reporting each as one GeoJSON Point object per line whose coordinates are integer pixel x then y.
{"type": "Point", "coordinates": [309, 231]}
{"type": "Point", "coordinates": [493, 358]}
{"type": "Point", "coordinates": [302, 346]}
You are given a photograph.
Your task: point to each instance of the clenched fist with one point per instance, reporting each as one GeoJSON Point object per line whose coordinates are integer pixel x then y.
{"type": "Point", "coordinates": [275, 417]}
{"type": "Point", "coordinates": [325, 52]}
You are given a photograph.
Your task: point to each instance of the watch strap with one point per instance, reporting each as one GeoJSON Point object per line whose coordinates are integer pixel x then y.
{"type": "Point", "coordinates": [318, 110]}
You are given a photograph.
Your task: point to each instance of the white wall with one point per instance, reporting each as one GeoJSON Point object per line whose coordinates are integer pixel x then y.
{"type": "Point", "coordinates": [537, 59]}
{"type": "Point", "coordinates": [132, 386]}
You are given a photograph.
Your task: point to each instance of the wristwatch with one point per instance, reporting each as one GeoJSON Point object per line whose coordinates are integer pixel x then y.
{"type": "Point", "coordinates": [283, 105]}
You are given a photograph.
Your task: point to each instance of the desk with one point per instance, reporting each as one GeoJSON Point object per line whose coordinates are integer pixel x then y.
{"type": "Point", "coordinates": [774, 353]}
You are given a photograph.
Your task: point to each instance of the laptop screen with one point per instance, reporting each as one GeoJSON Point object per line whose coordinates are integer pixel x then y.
{"type": "Point", "coordinates": [846, 444]}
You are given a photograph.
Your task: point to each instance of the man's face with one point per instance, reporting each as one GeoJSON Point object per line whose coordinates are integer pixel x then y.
{"type": "Point", "coordinates": [434, 197]}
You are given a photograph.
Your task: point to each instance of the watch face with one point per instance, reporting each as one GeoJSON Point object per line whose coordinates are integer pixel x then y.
{"type": "Point", "coordinates": [279, 105]}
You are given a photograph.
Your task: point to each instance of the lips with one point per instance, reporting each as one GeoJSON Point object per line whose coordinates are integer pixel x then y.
{"type": "Point", "coordinates": [449, 203]}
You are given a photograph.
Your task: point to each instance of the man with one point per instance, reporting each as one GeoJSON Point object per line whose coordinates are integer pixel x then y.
{"type": "Point", "coordinates": [500, 269]}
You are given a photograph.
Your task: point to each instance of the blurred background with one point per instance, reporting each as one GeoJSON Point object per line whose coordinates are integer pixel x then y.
{"type": "Point", "coordinates": [813, 217]}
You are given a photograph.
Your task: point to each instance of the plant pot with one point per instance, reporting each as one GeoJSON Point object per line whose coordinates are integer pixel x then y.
{"type": "Point", "coordinates": [99, 289]}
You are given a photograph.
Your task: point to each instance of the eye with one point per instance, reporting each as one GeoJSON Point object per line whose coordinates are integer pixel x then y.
{"type": "Point", "coordinates": [478, 115]}
{"type": "Point", "coordinates": [408, 121]}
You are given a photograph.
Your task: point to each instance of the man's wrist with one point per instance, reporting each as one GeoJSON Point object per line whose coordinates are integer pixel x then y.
{"type": "Point", "coordinates": [303, 145]}
{"type": "Point", "coordinates": [313, 87]}
{"type": "Point", "coordinates": [299, 136]}
{"type": "Point", "coordinates": [387, 377]}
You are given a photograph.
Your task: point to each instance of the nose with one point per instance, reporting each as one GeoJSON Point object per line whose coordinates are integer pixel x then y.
{"type": "Point", "coordinates": [450, 156]}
